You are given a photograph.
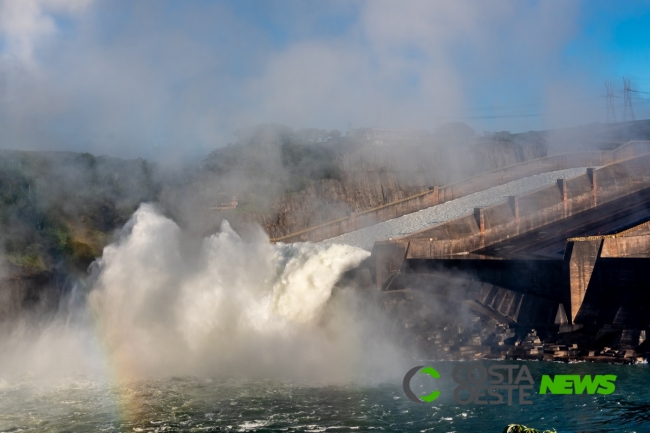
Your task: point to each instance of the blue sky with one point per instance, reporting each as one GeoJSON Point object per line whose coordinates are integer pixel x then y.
{"type": "Point", "coordinates": [122, 78]}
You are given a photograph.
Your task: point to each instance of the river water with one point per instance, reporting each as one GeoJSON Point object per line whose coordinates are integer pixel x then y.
{"type": "Point", "coordinates": [192, 404]}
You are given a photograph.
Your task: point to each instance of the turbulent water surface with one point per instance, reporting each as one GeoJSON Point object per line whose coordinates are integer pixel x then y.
{"type": "Point", "coordinates": [201, 404]}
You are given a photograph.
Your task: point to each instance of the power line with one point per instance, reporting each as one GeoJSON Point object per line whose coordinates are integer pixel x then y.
{"type": "Point", "coordinates": [556, 111]}
{"type": "Point", "coordinates": [492, 108]}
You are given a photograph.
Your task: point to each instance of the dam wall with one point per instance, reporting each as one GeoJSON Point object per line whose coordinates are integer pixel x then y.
{"type": "Point", "coordinates": [609, 278]}
{"type": "Point", "coordinates": [441, 194]}
{"type": "Point", "coordinates": [520, 214]}
{"type": "Point", "coordinates": [504, 305]}
{"type": "Point", "coordinates": [599, 281]}
{"type": "Point", "coordinates": [543, 278]}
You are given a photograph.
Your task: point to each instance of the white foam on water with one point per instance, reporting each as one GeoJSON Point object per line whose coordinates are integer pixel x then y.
{"type": "Point", "coordinates": [151, 299]}
{"type": "Point", "coordinates": [227, 305]}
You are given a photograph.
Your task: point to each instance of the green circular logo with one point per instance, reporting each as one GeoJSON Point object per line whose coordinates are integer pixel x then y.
{"type": "Point", "coordinates": [406, 384]}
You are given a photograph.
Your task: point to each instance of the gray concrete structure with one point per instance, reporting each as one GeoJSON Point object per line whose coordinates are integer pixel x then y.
{"type": "Point", "coordinates": [445, 193]}
{"type": "Point", "coordinates": [541, 258]}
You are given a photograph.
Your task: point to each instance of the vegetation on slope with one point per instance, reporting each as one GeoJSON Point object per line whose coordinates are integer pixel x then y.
{"type": "Point", "coordinates": [56, 209]}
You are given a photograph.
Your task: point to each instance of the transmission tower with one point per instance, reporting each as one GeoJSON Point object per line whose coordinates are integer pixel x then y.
{"type": "Point", "coordinates": [609, 95]}
{"type": "Point", "coordinates": [628, 111]}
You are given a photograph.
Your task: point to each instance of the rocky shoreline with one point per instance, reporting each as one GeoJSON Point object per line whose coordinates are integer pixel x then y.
{"type": "Point", "coordinates": [533, 348]}
{"type": "Point", "coordinates": [447, 331]}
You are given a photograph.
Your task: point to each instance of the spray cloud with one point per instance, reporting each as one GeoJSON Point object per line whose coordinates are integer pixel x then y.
{"type": "Point", "coordinates": [161, 305]}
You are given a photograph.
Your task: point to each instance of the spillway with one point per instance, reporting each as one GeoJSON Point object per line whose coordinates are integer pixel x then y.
{"type": "Point", "coordinates": [366, 237]}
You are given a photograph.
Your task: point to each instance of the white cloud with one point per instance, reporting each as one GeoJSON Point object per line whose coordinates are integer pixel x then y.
{"type": "Point", "coordinates": [24, 23]}
{"type": "Point", "coordinates": [190, 80]}
{"type": "Point", "coordinates": [416, 63]}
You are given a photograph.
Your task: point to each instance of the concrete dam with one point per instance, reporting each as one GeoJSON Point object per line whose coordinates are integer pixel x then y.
{"type": "Point", "coordinates": [557, 272]}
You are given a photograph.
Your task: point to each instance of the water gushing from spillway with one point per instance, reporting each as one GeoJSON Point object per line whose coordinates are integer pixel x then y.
{"type": "Point", "coordinates": [160, 305]}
